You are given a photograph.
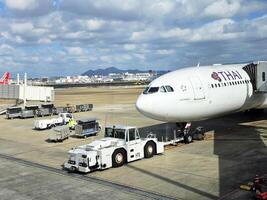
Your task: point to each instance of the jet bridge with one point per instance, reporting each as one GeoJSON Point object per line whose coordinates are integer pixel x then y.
{"type": "Point", "coordinates": [257, 72]}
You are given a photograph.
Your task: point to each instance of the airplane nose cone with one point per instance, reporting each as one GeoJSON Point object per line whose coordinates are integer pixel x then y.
{"type": "Point", "coordinates": [140, 104]}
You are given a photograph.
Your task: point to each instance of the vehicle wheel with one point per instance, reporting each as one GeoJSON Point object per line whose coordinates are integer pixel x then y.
{"type": "Point", "coordinates": [149, 150]}
{"type": "Point", "coordinates": [118, 158]}
{"type": "Point", "coordinates": [188, 138]}
{"type": "Point", "coordinates": [199, 136]}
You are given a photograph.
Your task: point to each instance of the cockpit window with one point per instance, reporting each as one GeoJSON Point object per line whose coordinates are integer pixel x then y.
{"type": "Point", "coordinates": [146, 90]}
{"type": "Point", "coordinates": [169, 88]}
{"type": "Point", "coordinates": [153, 90]}
{"type": "Point", "coordinates": [162, 89]}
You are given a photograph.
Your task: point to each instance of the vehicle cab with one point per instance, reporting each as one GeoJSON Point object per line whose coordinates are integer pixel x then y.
{"type": "Point", "coordinates": [130, 135]}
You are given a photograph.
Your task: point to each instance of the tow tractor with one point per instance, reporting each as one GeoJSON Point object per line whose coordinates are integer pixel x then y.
{"type": "Point", "coordinates": [121, 144]}
{"type": "Point", "coordinates": [63, 118]}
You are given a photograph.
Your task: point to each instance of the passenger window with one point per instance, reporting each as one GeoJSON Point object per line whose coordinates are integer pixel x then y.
{"type": "Point", "coordinates": [131, 134]}
{"type": "Point", "coordinates": [153, 90]}
{"type": "Point", "coordinates": [215, 85]}
{"type": "Point", "coordinates": [162, 89]}
{"type": "Point", "coordinates": [263, 76]}
{"type": "Point", "coordinates": [212, 85]}
{"type": "Point", "coordinates": [224, 84]}
{"type": "Point", "coordinates": [169, 88]}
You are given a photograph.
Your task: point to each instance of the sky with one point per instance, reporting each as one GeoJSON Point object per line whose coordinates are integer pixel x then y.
{"type": "Point", "coordinates": [69, 37]}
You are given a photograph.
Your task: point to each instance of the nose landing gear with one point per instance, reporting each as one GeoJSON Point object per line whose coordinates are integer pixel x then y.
{"type": "Point", "coordinates": [184, 130]}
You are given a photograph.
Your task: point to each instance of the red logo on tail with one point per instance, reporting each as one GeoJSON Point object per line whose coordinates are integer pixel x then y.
{"type": "Point", "coordinates": [4, 80]}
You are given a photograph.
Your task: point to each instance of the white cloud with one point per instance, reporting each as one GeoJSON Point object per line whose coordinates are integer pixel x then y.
{"type": "Point", "coordinates": [222, 8]}
{"type": "Point", "coordinates": [165, 52]}
{"type": "Point", "coordinates": [44, 41]}
{"type": "Point", "coordinates": [21, 4]}
{"type": "Point", "coordinates": [76, 51]}
{"type": "Point", "coordinates": [21, 27]}
{"type": "Point", "coordinates": [18, 39]}
{"type": "Point", "coordinates": [92, 24]}
{"type": "Point", "coordinates": [129, 47]}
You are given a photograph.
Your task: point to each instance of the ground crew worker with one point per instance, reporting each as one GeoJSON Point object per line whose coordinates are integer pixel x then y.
{"type": "Point", "coordinates": [72, 123]}
{"type": "Point", "coordinates": [257, 184]}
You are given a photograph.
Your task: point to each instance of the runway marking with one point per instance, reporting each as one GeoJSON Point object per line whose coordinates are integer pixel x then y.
{"type": "Point", "coordinates": [118, 186]}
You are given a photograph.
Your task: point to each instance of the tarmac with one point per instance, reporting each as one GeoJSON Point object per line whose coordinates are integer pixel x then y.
{"type": "Point", "coordinates": [233, 152]}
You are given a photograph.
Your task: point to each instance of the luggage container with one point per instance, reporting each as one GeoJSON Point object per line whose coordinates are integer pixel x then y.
{"type": "Point", "coordinates": [13, 112]}
{"type": "Point", "coordinates": [61, 109]}
{"type": "Point", "coordinates": [88, 107]}
{"type": "Point", "coordinates": [80, 108]}
{"type": "Point", "coordinates": [29, 111]}
{"type": "Point", "coordinates": [87, 127]}
{"type": "Point", "coordinates": [60, 133]}
{"type": "Point", "coordinates": [71, 108]}
{"type": "Point", "coordinates": [45, 110]}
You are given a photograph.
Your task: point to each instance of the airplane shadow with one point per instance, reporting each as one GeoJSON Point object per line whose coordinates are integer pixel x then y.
{"type": "Point", "coordinates": [238, 143]}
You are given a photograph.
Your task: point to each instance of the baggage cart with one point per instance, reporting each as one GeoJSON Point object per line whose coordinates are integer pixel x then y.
{"type": "Point", "coordinates": [60, 133]}
{"type": "Point", "coordinates": [87, 127]}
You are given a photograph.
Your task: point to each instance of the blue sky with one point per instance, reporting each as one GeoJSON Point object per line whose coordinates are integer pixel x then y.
{"type": "Point", "coordinates": [67, 37]}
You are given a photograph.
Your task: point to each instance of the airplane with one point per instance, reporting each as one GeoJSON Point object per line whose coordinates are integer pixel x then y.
{"type": "Point", "coordinates": [4, 80]}
{"type": "Point", "coordinates": [199, 93]}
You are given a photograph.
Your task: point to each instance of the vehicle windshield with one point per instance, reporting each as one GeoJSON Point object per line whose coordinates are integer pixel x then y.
{"type": "Point", "coordinates": [115, 133]}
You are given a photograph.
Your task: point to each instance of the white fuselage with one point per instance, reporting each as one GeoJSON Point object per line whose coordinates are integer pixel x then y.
{"type": "Point", "coordinates": [200, 93]}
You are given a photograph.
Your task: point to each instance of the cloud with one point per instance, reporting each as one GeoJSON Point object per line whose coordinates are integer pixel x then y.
{"type": "Point", "coordinates": [21, 27]}
{"type": "Point", "coordinates": [222, 8]}
{"type": "Point", "coordinates": [21, 4]}
{"type": "Point", "coordinates": [76, 51]}
{"type": "Point", "coordinates": [129, 33]}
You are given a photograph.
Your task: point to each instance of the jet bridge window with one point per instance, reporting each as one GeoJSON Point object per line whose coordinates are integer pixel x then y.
{"type": "Point", "coordinates": [263, 76]}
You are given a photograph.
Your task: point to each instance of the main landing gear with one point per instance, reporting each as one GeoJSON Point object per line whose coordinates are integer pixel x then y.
{"type": "Point", "coordinates": [184, 130]}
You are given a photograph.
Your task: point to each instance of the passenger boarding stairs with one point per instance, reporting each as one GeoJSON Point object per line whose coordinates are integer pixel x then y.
{"type": "Point", "coordinates": [257, 72]}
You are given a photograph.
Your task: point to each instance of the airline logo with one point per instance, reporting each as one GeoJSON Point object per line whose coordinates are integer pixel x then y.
{"type": "Point", "coordinates": [226, 75]}
{"type": "Point", "coordinates": [216, 77]}
{"type": "Point", "coordinates": [4, 80]}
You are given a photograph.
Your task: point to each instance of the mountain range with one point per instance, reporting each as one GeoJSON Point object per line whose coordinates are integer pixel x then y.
{"type": "Point", "coordinates": [107, 71]}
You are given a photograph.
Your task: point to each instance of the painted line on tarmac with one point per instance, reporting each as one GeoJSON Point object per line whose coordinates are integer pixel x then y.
{"type": "Point", "coordinates": [118, 186]}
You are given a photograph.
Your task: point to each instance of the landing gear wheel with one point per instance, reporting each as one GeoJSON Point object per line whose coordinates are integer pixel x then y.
{"type": "Point", "coordinates": [188, 138]}
{"type": "Point", "coordinates": [149, 150]}
{"type": "Point", "coordinates": [118, 158]}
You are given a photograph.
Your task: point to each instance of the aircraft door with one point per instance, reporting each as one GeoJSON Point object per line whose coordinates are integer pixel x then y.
{"type": "Point", "coordinates": [197, 88]}
{"type": "Point", "coordinates": [261, 80]}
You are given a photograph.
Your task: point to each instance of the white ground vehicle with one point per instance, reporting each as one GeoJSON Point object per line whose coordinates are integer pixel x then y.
{"type": "Point", "coordinates": [63, 118]}
{"type": "Point", "coordinates": [120, 145]}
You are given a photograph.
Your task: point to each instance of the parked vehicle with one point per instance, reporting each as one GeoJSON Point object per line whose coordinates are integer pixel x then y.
{"type": "Point", "coordinates": [29, 111]}
{"type": "Point", "coordinates": [63, 118]}
{"type": "Point", "coordinates": [87, 127]}
{"type": "Point", "coordinates": [60, 133]}
{"type": "Point", "coordinates": [13, 112]}
{"type": "Point", "coordinates": [121, 144]}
